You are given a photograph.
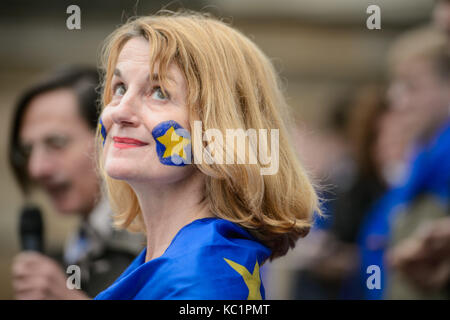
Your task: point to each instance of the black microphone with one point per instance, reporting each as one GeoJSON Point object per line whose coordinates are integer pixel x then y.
{"type": "Point", "coordinates": [31, 229]}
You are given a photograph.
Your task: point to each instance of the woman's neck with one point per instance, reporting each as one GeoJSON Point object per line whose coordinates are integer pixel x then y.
{"type": "Point", "coordinates": [168, 208]}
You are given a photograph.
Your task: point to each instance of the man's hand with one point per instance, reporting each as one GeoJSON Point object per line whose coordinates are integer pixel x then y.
{"type": "Point", "coordinates": [37, 277]}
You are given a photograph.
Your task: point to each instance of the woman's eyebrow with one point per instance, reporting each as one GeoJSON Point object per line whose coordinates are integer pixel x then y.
{"type": "Point", "coordinates": [154, 76]}
{"type": "Point", "coordinates": [156, 79]}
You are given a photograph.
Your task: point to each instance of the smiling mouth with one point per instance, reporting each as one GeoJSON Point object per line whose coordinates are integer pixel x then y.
{"type": "Point", "coordinates": [125, 143]}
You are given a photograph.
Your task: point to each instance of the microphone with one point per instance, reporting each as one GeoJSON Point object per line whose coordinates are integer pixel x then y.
{"type": "Point", "coordinates": [31, 229]}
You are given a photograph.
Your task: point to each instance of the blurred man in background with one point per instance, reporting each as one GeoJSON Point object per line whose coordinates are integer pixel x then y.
{"type": "Point", "coordinates": [52, 147]}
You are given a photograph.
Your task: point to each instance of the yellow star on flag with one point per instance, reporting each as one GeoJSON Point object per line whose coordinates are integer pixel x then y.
{"type": "Point", "coordinates": [174, 143]}
{"type": "Point", "coordinates": [253, 281]}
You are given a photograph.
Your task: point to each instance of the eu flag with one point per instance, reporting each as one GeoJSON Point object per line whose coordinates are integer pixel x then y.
{"type": "Point", "coordinates": [209, 258]}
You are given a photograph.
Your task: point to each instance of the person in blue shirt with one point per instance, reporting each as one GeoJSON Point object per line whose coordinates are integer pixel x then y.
{"type": "Point", "coordinates": [194, 150]}
{"type": "Point", "coordinates": [390, 236]}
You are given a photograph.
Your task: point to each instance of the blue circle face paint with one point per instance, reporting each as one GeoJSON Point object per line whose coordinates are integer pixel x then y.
{"type": "Point", "coordinates": [173, 143]}
{"type": "Point", "coordinates": [102, 131]}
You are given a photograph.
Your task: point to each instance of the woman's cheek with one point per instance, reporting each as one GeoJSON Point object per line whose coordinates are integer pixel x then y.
{"type": "Point", "coordinates": [173, 143]}
{"type": "Point", "coordinates": [107, 117]}
{"type": "Point", "coordinates": [105, 124]}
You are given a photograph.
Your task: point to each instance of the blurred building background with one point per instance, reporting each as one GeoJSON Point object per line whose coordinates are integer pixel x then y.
{"type": "Point", "coordinates": [322, 50]}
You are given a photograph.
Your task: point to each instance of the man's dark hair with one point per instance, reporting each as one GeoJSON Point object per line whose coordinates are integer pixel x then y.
{"type": "Point", "coordinates": [83, 81]}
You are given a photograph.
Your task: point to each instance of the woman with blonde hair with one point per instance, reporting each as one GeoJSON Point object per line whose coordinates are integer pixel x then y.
{"type": "Point", "coordinates": [210, 221]}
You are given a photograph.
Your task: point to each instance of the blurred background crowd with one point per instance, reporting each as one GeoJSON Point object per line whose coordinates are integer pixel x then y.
{"type": "Point", "coordinates": [371, 110]}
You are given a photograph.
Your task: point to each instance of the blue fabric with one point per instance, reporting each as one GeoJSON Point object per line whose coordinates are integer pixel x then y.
{"type": "Point", "coordinates": [194, 266]}
{"type": "Point", "coordinates": [429, 174]}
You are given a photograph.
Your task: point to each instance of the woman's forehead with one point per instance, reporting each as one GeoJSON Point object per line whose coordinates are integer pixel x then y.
{"type": "Point", "coordinates": [135, 56]}
{"type": "Point", "coordinates": [135, 53]}
{"type": "Point", "coordinates": [136, 48]}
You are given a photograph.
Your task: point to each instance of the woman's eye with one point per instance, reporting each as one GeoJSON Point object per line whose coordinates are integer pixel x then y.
{"type": "Point", "coordinates": [119, 90]}
{"type": "Point", "coordinates": [158, 94]}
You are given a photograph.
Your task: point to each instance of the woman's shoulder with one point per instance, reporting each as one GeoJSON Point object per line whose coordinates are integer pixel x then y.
{"type": "Point", "coordinates": [216, 234]}
{"type": "Point", "coordinates": [215, 259]}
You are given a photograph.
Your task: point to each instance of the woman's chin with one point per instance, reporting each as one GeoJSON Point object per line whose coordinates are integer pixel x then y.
{"type": "Point", "coordinates": [119, 171]}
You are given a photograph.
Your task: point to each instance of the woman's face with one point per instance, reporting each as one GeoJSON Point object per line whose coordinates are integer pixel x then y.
{"type": "Point", "coordinates": [138, 105]}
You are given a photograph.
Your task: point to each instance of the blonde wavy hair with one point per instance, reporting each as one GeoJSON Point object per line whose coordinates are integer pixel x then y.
{"type": "Point", "coordinates": [231, 84]}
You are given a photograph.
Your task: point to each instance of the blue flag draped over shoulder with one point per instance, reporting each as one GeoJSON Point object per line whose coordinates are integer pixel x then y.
{"type": "Point", "coordinates": [209, 258]}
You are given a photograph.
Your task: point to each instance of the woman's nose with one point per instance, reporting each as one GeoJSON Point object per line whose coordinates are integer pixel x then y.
{"type": "Point", "coordinates": [125, 113]}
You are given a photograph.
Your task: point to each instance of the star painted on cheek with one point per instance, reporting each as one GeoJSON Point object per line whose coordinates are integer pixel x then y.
{"type": "Point", "coordinates": [174, 144]}
{"type": "Point", "coordinates": [102, 129]}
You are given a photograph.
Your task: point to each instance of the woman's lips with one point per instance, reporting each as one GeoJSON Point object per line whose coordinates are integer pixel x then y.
{"type": "Point", "coordinates": [125, 143]}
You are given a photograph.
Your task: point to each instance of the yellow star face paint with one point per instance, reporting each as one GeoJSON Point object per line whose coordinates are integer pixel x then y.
{"type": "Point", "coordinates": [102, 130]}
{"type": "Point", "coordinates": [173, 143]}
